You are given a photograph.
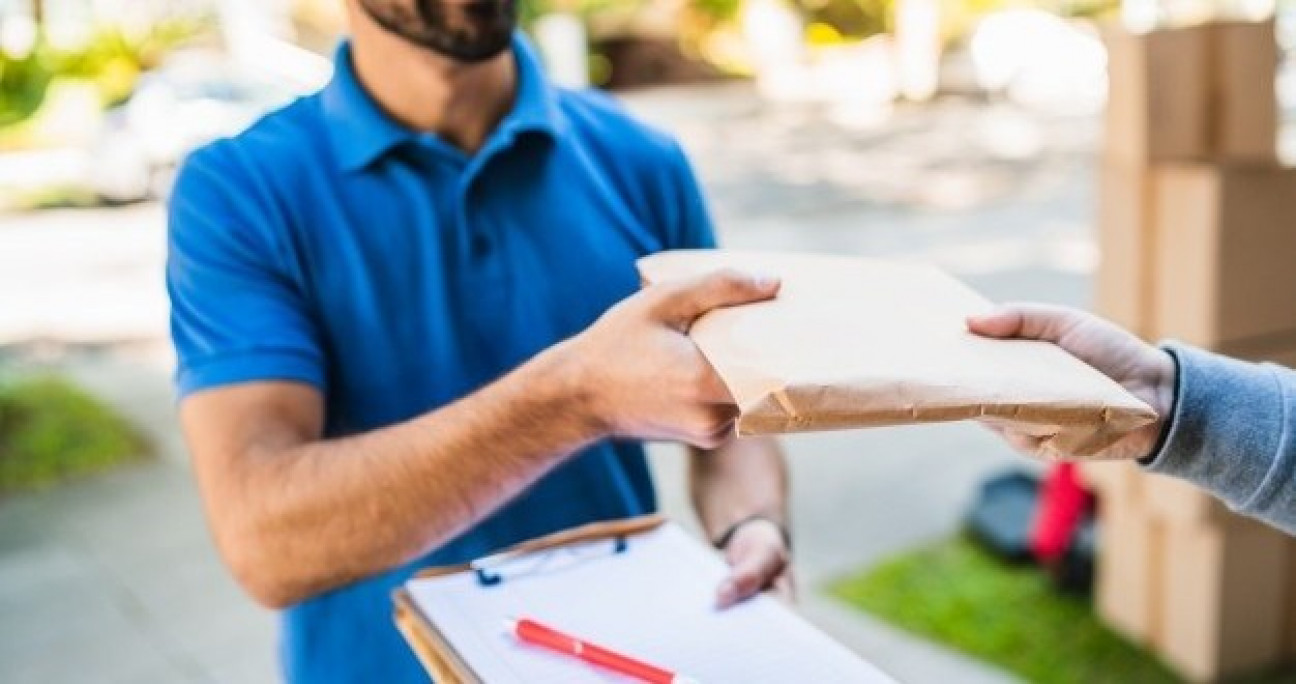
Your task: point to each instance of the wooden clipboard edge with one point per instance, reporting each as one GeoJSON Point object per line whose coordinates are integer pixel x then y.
{"type": "Point", "coordinates": [436, 654]}
{"type": "Point", "coordinates": [438, 657]}
{"type": "Point", "coordinates": [607, 529]}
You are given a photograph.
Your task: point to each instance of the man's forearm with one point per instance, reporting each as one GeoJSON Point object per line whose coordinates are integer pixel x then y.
{"type": "Point", "coordinates": [313, 516]}
{"type": "Point", "coordinates": [742, 478]}
{"type": "Point", "coordinates": [1233, 433]}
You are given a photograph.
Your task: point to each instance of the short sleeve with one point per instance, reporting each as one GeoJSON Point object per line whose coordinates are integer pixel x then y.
{"type": "Point", "coordinates": [693, 228]}
{"type": "Point", "coordinates": [237, 315]}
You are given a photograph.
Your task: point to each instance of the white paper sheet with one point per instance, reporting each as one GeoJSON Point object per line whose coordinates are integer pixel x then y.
{"type": "Point", "coordinates": [655, 601]}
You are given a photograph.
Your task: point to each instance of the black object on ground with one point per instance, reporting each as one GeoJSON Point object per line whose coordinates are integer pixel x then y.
{"type": "Point", "coordinates": [1001, 516]}
{"type": "Point", "coordinates": [1074, 572]}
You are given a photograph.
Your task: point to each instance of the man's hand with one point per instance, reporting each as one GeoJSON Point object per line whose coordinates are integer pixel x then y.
{"type": "Point", "coordinates": [1146, 371]}
{"type": "Point", "coordinates": [759, 560]}
{"type": "Point", "coordinates": [642, 377]}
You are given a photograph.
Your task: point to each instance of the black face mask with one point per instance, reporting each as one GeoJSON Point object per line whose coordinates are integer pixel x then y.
{"type": "Point", "coordinates": [468, 31]}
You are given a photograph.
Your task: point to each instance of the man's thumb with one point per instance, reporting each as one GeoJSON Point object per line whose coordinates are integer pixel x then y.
{"type": "Point", "coordinates": [689, 300]}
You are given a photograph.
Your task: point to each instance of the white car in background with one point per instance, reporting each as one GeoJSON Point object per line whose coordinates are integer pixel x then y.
{"type": "Point", "coordinates": [1041, 61]}
{"type": "Point", "coordinates": [194, 98]}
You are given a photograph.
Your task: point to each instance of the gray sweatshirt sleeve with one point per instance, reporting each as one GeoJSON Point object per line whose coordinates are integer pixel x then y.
{"type": "Point", "coordinates": [1232, 434]}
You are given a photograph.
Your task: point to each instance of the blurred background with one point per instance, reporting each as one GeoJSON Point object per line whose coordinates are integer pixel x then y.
{"type": "Point", "coordinates": [965, 133]}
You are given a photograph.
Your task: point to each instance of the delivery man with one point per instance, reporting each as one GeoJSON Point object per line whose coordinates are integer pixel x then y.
{"type": "Point", "coordinates": [405, 314]}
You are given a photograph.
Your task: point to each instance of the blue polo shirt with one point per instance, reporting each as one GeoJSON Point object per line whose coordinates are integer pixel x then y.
{"type": "Point", "coordinates": [330, 246]}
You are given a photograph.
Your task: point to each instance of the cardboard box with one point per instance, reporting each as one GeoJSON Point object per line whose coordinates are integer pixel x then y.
{"type": "Point", "coordinates": [1180, 503]}
{"type": "Point", "coordinates": [1245, 124]}
{"type": "Point", "coordinates": [1195, 93]}
{"type": "Point", "coordinates": [1291, 600]}
{"type": "Point", "coordinates": [1224, 246]}
{"type": "Point", "coordinates": [1129, 590]}
{"type": "Point", "coordinates": [1281, 351]}
{"type": "Point", "coordinates": [1114, 480]}
{"type": "Point", "coordinates": [1158, 95]}
{"type": "Point", "coordinates": [1099, 476]}
{"type": "Point", "coordinates": [1123, 292]}
{"type": "Point", "coordinates": [1224, 611]}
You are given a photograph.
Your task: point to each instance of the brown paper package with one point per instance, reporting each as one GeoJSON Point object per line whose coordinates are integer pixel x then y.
{"type": "Point", "coordinates": [853, 342]}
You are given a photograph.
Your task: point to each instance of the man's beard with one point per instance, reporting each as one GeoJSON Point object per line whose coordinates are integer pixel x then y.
{"type": "Point", "coordinates": [468, 31]}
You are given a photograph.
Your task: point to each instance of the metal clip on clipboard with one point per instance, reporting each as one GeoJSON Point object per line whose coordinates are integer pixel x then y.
{"type": "Point", "coordinates": [494, 569]}
{"type": "Point", "coordinates": [438, 657]}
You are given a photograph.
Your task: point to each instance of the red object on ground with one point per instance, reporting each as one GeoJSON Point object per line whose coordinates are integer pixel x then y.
{"type": "Point", "coordinates": [1063, 503]}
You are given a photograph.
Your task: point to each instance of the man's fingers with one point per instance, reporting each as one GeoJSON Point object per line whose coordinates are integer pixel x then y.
{"type": "Point", "coordinates": [684, 302]}
{"type": "Point", "coordinates": [1027, 444]}
{"type": "Point", "coordinates": [784, 589]}
{"type": "Point", "coordinates": [1024, 443]}
{"type": "Point", "coordinates": [750, 575]}
{"type": "Point", "coordinates": [714, 439]}
{"type": "Point", "coordinates": [711, 388]}
{"type": "Point", "coordinates": [1028, 321]}
{"type": "Point", "coordinates": [723, 428]}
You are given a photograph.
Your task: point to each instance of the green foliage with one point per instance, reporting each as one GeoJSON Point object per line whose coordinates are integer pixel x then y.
{"type": "Point", "coordinates": [23, 83]}
{"type": "Point", "coordinates": [716, 12]}
{"type": "Point", "coordinates": [51, 431]}
{"type": "Point", "coordinates": [1090, 9]}
{"type": "Point", "coordinates": [959, 17]}
{"type": "Point", "coordinates": [53, 197]}
{"type": "Point", "coordinates": [530, 10]}
{"type": "Point", "coordinates": [112, 60]}
{"type": "Point", "coordinates": [957, 594]}
{"type": "Point", "coordinates": [851, 18]}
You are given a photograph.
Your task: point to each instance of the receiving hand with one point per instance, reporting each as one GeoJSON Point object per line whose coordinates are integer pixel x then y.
{"type": "Point", "coordinates": [643, 377]}
{"type": "Point", "coordinates": [759, 560]}
{"type": "Point", "coordinates": [1144, 370]}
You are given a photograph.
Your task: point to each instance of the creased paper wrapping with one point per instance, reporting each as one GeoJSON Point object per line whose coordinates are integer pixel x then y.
{"type": "Point", "coordinates": [852, 342]}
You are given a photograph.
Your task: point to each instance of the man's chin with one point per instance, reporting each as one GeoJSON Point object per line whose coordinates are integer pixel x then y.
{"type": "Point", "coordinates": [473, 51]}
{"type": "Point", "coordinates": [463, 30]}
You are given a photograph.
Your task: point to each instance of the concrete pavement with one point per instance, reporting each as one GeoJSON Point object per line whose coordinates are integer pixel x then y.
{"type": "Point", "coordinates": [114, 578]}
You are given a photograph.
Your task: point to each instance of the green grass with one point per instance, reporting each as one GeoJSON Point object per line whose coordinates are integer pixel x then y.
{"type": "Point", "coordinates": [51, 431]}
{"type": "Point", "coordinates": [957, 594]}
{"type": "Point", "coordinates": [56, 197]}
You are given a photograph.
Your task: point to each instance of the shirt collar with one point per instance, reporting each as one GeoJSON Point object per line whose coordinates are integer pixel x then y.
{"type": "Point", "coordinates": [361, 132]}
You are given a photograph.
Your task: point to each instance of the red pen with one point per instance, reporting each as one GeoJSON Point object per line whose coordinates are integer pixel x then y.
{"type": "Point", "coordinates": [532, 632]}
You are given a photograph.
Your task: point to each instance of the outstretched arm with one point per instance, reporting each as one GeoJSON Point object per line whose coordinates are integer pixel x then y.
{"type": "Point", "coordinates": [1226, 426]}
{"type": "Point", "coordinates": [295, 514]}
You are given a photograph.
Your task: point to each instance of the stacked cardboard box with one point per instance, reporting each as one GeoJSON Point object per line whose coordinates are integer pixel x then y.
{"type": "Point", "coordinates": [1213, 594]}
{"type": "Point", "coordinates": [1197, 243]}
{"type": "Point", "coordinates": [1128, 574]}
{"type": "Point", "coordinates": [1200, 94]}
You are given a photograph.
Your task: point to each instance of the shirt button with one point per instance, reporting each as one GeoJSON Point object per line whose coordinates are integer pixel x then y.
{"type": "Point", "coordinates": [481, 245]}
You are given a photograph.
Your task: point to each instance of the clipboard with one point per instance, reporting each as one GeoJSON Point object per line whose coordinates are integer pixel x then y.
{"type": "Point", "coordinates": [641, 586]}
{"type": "Point", "coordinates": [437, 655]}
